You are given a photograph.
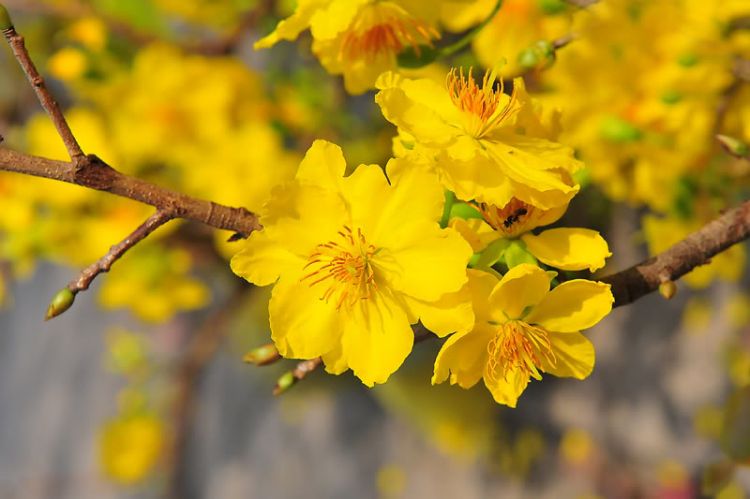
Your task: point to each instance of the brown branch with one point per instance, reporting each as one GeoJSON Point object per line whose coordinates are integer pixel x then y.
{"type": "Point", "coordinates": [102, 177]}
{"type": "Point", "coordinates": [697, 249]}
{"type": "Point", "coordinates": [86, 277]}
{"type": "Point", "coordinates": [48, 102]}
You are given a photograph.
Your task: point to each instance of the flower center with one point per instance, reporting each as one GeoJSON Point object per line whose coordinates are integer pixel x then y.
{"type": "Point", "coordinates": [512, 219]}
{"type": "Point", "coordinates": [482, 106]}
{"type": "Point", "coordinates": [518, 345]}
{"type": "Point", "coordinates": [384, 28]}
{"type": "Point", "coordinates": [346, 268]}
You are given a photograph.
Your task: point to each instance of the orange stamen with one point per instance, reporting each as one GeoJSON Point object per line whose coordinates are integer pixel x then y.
{"type": "Point", "coordinates": [518, 345]}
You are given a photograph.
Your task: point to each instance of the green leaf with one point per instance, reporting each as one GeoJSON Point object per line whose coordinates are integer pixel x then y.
{"type": "Point", "coordinates": [5, 20]}
{"type": "Point", "coordinates": [516, 254]}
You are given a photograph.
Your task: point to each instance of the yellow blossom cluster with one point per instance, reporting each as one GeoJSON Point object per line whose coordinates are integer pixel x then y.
{"type": "Point", "coordinates": [356, 260]}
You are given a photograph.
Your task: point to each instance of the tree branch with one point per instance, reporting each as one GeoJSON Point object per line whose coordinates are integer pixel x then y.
{"type": "Point", "coordinates": [87, 276]}
{"type": "Point", "coordinates": [48, 102]}
{"type": "Point", "coordinates": [697, 249]}
{"type": "Point", "coordinates": [100, 176]}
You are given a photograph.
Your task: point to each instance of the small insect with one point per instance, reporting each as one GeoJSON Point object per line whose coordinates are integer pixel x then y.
{"type": "Point", "coordinates": [514, 217]}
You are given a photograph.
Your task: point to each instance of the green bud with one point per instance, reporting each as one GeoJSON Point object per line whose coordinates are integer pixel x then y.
{"type": "Point", "coordinates": [671, 97]}
{"type": "Point", "coordinates": [734, 146]}
{"type": "Point", "coordinates": [62, 301]}
{"type": "Point", "coordinates": [262, 356]}
{"type": "Point", "coordinates": [529, 58]}
{"type": "Point", "coordinates": [285, 382]}
{"type": "Point", "coordinates": [516, 254]}
{"type": "Point", "coordinates": [551, 6]}
{"type": "Point", "coordinates": [687, 60]}
{"type": "Point", "coordinates": [616, 129]}
{"type": "Point", "coordinates": [415, 59]}
{"type": "Point", "coordinates": [5, 20]}
{"type": "Point", "coordinates": [545, 48]}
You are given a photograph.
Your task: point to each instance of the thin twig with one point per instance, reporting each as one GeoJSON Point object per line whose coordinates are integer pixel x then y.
{"type": "Point", "coordinates": [87, 276]}
{"type": "Point", "coordinates": [48, 102]}
{"type": "Point", "coordinates": [561, 42]}
{"type": "Point", "coordinates": [697, 249]}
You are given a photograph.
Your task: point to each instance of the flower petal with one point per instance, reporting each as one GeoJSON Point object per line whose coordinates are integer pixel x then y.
{"type": "Point", "coordinates": [302, 325]}
{"type": "Point", "coordinates": [569, 249]}
{"type": "Point", "coordinates": [323, 166]}
{"type": "Point", "coordinates": [452, 312]}
{"type": "Point", "coordinates": [377, 338]}
{"type": "Point", "coordinates": [291, 27]}
{"type": "Point", "coordinates": [572, 306]}
{"type": "Point", "coordinates": [263, 260]}
{"type": "Point", "coordinates": [415, 118]}
{"type": "Point", "coordinates": [478, 233]}
{"type": "Point", "coordinates": [522, 286]}
{"type": "Point", "coordinates": [464, 356]}
{"type": "Point", "coordinates": [574, 355]}
{"type": "Point", "coordinates": [332, 19]}
{"type": "Point", "coordinates": [506, 391]}
{"type": "Point", "coordinates": [411, 268]}
{"type": "Point", "coordinates": [481, 285]}
{"type": "Point", "coordinates": [389, 213]}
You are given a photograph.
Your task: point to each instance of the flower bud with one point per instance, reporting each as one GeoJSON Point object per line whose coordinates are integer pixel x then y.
{"type": "Point", "coordinates": [529, 58]}
{"type": "Point", "coordinates": [733, 146]}
{"type": "Point", "coordinates": [285, 382]}
{"type": "Point", "coordinates": [668, 289]}
{"type": "Point", "coordinates": [62, 301]}
{"type": "Point", "coordinates": [5, 21]}
{"type": "Point", "coordinates": [262, 356]}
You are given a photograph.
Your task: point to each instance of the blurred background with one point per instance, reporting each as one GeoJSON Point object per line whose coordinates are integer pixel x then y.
{"type": "Point", "coordinates": [139, 390]}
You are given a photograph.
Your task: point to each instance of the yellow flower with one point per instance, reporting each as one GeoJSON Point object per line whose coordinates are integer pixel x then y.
{"type": "Point", "coordinates": [523, 329]}
{"type": "Point", "coordinates": [564, 248]}
{"type": "Point", "coordinates": [479, 139]}
{"type": "Point", "coordinates": [355, 259]}
{"type": "Point", "coordinates": [359, 38]}
{"type": "Point", "coordinates": [129, 447]}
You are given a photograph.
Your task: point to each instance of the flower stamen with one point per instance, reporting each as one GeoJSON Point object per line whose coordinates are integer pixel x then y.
{"type": "Point", "coordinates": [513, 219]}
{"type": "Point", "coordinates": [348, 265]}
{"type": "Point", "coordinates": [384, 29]}
{"type": "Point", "coordinates": [518, 345]}
{"type": "Point", "coordinates": [482, 106]}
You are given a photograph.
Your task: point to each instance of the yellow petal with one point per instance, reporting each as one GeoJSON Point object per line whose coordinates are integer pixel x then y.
{"type": "Point", "coordinates": [481, 285]}
{"type": "Point", "coordinates": [464, 356]}
{"type": "Point", "coordinates": [328, 22]}
{"type": "Point", "coordinates": [388, 212]}
{"type": "Point", "coordinates": [574, 355]}
{"type": "Point", "coordinates": [335, 360]}
{"type": "Point", "coordinates": [480, 178]}
{"type": "Point", "coordinates": [572, 306]}
{"type": "Point", "coordinates": [478, 233]}
{"type": "Point", "coordinates": [569, 249]}
{"type": "Point", "coordinates": [263, 260]}
{"type": "Point", "coordinates": [410, 268]}
{"type": "Point", "coordinates": [290, 28]}
{"type": "Point", "coordinates": [302, 325]}
{"type": "Point", "coordinates": [523, 286]}
{"type": "Point", "coordinates": [415, 118]}
{"type": "Point", "coordinates": [377, 338]}
{"type": "Point", "coordinates": [452, 312]}
{"type": "Point", "coordinates": [323, 166]}
{"type": "Point", "coordinates": [507, 391]}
